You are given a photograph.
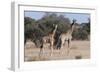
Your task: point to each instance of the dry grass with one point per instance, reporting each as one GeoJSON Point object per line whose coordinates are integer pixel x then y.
{"type": "Point", "coordinates": [79, 50]}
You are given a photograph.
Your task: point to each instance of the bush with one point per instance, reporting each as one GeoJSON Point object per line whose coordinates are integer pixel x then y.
{"type": "Point", "coordinates": [80, 34]}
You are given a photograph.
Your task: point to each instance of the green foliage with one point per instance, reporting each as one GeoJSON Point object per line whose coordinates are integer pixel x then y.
{"type": "Point", "coordinates": [47, 23]}
{"type": "Point", "coordinates": [28, 20]}
{"type": "Point", "coordinates": [87, 27]}
{"type": "Point", "coordinates": [80, 34]}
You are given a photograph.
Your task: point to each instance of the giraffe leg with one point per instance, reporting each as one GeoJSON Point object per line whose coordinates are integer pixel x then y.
{"type": "Point", "coordinates": [51, 46]}
{"type": "Point", "coordinates": [51, 51]}
{"type": "Point", "coordinates": [69, 46]}
{"type": "Point", "coordinates": [62, 45]}
{"type": "Point", "coordinates": [41, 51]}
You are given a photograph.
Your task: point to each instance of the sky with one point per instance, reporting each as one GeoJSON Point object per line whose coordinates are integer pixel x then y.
{"type": "Point", "coordinates": [80, 17]}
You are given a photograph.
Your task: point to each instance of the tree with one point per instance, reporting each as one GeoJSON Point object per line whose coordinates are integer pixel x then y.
{"type": "Point", "coordinates": [87, 26]}
{"type": "Point", "coordinates": [28, 20]}
{"type": "Point", "coordinates": [80, 34]}
{"type": "Point", "coordinates": [28, 28]}
{"type": "Point", "coordinates": [47, 21]}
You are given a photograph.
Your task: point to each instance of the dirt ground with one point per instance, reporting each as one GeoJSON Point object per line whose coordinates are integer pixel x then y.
{"type": "Point", "coordinates": [79, 50]}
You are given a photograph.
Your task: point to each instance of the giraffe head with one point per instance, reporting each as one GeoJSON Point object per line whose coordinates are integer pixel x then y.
{"type": "Point", "coordinates": [74, 21]}
{"type": "Point", "coordinates": [72, 25]}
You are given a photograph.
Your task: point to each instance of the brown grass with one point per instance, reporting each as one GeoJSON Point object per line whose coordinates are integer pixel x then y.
{"type": "Point", "coordinates": [79, 50]}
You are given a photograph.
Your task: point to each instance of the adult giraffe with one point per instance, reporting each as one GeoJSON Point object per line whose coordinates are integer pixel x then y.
{"type": "Point", "coordinates": [51, 39]}
{"type": "Point", "coordinates": [67, 36]}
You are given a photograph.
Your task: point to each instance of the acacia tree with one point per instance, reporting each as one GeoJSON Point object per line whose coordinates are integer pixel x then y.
{"type": "Point", "coordinates": [47, 21]}
{"type": "Point", "coordinates": [28, 28]}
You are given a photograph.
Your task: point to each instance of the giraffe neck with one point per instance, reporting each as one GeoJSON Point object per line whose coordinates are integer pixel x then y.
{"type": "Point", "coordinates": [54, 31]}
{"type": "Point", "coordinates": [70, 31]}
{"type": "Point", "coordinates": [72, 27]}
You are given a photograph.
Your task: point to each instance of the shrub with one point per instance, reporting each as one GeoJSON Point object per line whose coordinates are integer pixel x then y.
{"type": "Point", "coordinates": [80, 34]}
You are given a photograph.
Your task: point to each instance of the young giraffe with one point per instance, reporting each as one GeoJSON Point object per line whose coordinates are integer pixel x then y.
{"type": "Point", "coordinates": [51, 39]}
{"type": "Point", "coordinates": [67, 37]}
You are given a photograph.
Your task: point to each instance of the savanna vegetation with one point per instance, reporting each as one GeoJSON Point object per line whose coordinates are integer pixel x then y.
{"type": "Point", "coordinates": [36, 29]}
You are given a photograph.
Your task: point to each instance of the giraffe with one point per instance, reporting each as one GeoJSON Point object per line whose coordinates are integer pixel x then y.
{"type": "Point", "coordinates": [50, 38]}
{"type": "Point", "coordinates": [67, 36]}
